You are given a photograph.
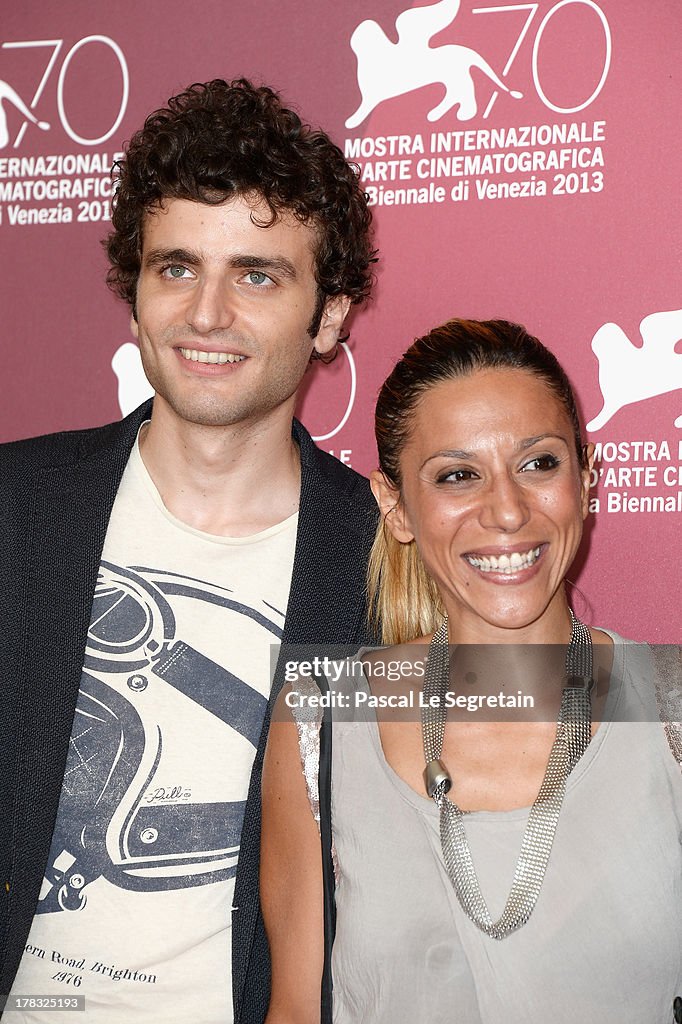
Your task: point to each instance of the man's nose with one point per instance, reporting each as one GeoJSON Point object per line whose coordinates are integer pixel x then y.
{"type": "Point", "coordinates": [211, 307]}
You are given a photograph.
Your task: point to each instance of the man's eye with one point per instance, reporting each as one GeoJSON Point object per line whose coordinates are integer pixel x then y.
{"type": "Point", "coordinates": [176, 272]}
{"type": "Point", "coordinates": [257, 277]}
{"type": "Point", "coordinates": [541, 463]}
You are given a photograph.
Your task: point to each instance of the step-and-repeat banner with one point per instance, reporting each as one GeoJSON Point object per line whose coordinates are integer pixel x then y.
{"type": "Point", "coordinates": [522, 159]}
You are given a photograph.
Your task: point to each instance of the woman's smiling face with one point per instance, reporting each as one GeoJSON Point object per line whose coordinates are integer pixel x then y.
{"type": "Point", "coordinates": [493, 494]}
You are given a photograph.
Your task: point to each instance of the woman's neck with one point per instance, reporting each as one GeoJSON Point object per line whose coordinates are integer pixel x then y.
{"type": "Point", "coordinates": [553, 626]}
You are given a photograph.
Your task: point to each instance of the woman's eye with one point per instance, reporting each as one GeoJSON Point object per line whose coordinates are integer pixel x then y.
{"type": "Point", "coordinates": [456, 476]}
{"type": "Point", "coordinates": [541, 463]}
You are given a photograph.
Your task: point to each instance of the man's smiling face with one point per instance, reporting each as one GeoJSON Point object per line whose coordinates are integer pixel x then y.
{"type": "Point", "coordinates": [223, 309]}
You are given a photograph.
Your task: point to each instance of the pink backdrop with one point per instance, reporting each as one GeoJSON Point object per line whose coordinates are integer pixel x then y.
{"type": "Point", "coordinates": [557, 208]}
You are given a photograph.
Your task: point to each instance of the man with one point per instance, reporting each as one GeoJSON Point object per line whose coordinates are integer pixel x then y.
{"type": "Point", "coordinates": [148, 566]}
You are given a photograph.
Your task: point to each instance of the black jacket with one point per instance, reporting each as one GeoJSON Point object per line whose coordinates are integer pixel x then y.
{"type": "Point", "coordinates": [56, 495]}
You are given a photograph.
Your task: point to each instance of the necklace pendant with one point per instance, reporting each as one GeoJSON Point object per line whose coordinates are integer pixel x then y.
{"type": "Point", "coordinates": [436, 775]}
{"type": "Point", "coordinates": [580, 683]}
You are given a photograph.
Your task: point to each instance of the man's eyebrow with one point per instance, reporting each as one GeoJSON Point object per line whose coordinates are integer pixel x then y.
{"type": "Point", "coordinates": [160, 257]}
{"type": "Point", "coordinates": [278, 264]}
{"type": "Point", "coordinates": [240, 261]}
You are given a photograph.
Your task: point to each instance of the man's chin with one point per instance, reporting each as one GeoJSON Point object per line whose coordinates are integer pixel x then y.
{"type": "Point", "coordinates": [206, 413]}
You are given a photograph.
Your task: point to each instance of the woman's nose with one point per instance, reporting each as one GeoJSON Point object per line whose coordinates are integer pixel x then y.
{"type": "Point", "coordinates": [504, 505]}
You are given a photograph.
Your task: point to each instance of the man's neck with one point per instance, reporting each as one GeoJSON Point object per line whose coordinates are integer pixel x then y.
{"type": "Point", "coordinates": [230, 481]}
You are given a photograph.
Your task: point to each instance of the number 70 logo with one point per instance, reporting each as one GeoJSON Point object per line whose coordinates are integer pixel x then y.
{"type": "Point", "coordinates": [53, 48]}
{"type": "Point", "coordinates": [532, 9]}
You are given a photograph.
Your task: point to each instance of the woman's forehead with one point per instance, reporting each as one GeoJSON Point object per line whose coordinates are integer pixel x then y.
{"type": "Point", "coordinates": [491, 402]}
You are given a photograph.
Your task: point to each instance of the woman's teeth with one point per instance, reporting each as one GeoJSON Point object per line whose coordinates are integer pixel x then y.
{"type": "Point", "coordinates": [506, 564]}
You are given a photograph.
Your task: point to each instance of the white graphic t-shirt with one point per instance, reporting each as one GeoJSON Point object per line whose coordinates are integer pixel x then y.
{"type": "Point", "coordinates": [134, 912]}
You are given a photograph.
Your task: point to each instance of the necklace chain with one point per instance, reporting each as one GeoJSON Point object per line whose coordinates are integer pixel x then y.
{"type": "Point", "coordinates": [572, 737]}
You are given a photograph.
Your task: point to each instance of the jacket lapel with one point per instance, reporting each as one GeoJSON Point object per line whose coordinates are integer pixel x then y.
{"type": "Point", "coordinates": [67, 524]}
{"type": "Point", "coordinates": [326, 609]}
{"type": "Point", "coordinates": [336, 526]}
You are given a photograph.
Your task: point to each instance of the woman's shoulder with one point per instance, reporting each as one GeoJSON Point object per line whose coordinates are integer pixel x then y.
{"type": "Point", "coordinates": [652, 678]}
{"type": "Point", "coordinates": [398, 663]}
{"type": "Point", "coordinates": [413, 650]}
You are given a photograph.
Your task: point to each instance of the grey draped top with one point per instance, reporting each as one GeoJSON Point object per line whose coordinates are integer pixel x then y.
{"type": "Point", "coordinates": [604, 943]}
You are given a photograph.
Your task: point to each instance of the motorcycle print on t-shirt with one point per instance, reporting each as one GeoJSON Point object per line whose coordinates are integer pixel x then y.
{"type": "Point", "coordinates": [163, 736]}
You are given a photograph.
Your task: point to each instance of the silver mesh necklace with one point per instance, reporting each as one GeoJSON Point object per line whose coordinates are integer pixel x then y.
{"type": "Point", "coordinates": [572, 737]}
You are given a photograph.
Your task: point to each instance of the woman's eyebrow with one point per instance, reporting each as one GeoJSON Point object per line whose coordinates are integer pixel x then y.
{"type": "Point", "coordinates": [522, 446]}
{"type": "Point", "coordinates": [528, 442]}
{"type": "Point", "coordinates": [448, 453]}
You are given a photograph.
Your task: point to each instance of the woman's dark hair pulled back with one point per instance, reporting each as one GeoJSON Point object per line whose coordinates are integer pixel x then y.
{"type": "Point", "coordinates": [456, 349]}
{"type": "Point", "coordinates": [403, 598]}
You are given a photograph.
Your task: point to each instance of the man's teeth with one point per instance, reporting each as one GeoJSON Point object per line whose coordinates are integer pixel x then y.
{"type": "Point", "coordinates": [197, 356]}
{"type": "Point", "coordinates": [505, 564]}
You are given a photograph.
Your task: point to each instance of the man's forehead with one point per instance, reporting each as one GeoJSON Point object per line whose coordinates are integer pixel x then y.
{"type": "Point", "coordinates": [244, 212]}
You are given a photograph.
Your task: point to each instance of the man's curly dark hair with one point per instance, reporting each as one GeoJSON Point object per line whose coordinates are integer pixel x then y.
{"type": "Point", "coordinates": [222, 139]}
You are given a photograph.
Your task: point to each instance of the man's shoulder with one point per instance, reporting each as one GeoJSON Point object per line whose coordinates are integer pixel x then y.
{"type": "Point", "coordinates": [66, 446]}
{"type": "Point", "coordinates": [349, 484]}
{"type": "Point", "coordinates": [324, 470]}
{"type": "Point", "coordinates": [54, 449]}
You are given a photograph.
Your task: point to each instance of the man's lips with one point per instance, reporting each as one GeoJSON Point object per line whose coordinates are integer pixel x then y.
{"type": "Point", "coordinates": [198, 355]}
{"type": "Point", "coordinates": [505, 563]}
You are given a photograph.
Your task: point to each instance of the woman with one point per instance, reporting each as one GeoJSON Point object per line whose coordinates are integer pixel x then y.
{"type": "Point", "coordinates": [455, 902]}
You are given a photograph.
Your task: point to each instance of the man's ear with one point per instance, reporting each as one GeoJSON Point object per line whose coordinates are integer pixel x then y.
{"type": "Point", "coordinates": [391, 506]}
{"type": "Point", "coordinates": [334, 313]}
{"type": "Point", "coordinates": [585, 476]}
{"type": "Point", "coordinates": [134, 329]}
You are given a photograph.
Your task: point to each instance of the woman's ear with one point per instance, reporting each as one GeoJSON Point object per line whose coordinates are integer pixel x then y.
{"type": "Point", "coordinates": [586, 476]}
{"type": "Point", "coordinates": [391, 506]}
